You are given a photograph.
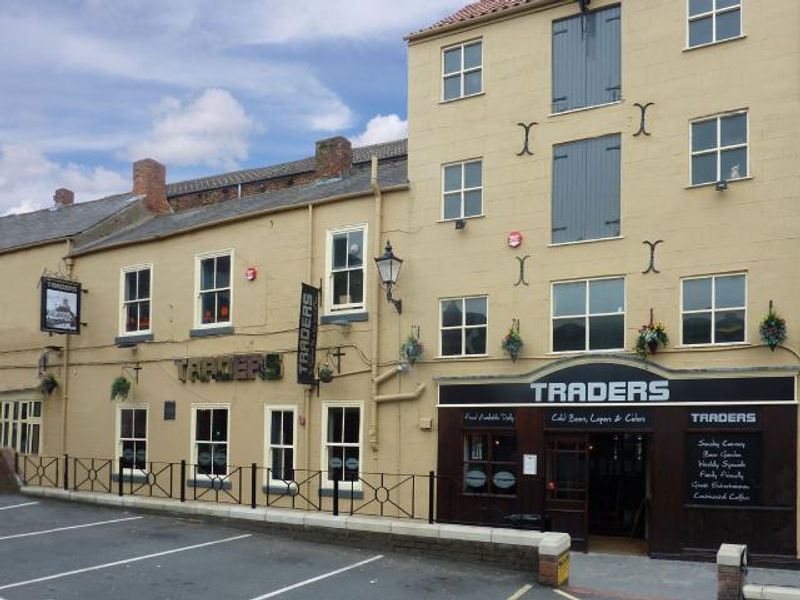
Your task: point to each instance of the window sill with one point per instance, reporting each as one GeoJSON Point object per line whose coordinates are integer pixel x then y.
{"type": "Point", "coordinates": [344, 492]}
{"type": "Point", "coordinates": [215, 483]}
{"type": "Point", "coordinates": [460, 356]}
{"type": "Point", "coordinates": [694, 186]}
{"type": "Point", "coordinates": [589, 352]}
{"type": "Point", "coordinates": [126, 477]}
{"type": "Point", "coordinates": [280, 489]}
{"type": "Point", "coordinates": [481, 93]}
{"type": "Point", "coordinates": [480, 216]}
{"type": "Point", "coordinates": [584, 108]}
{"type": "Point", "coordinates": [210, 331]}
{"type": "Point", "coordinates": [608, 239]}
{"type": "Point", "coordinates": [711, 346]}
{"type": "Point", "coordinates": [347, 317]}
{"type": "Point", "coordinates": [130, 340]}
{"type": "Point", "coordinates": [717, 43]}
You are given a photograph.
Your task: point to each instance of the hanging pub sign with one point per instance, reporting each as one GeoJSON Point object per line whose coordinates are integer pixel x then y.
{"type": "Point", "coordinates": [60, 310]}
{"type": "Point", "coordinates": [307, 334]}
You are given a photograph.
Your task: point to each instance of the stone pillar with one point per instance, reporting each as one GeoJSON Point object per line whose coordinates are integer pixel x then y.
{"type": "Point", "coordinates": [554, 559]}
{"type": "Point", "coordinates": [731, 571]}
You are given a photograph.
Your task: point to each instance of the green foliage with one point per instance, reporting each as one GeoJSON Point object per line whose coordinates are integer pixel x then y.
{"type": "Point", "coordinates": [120, 388]}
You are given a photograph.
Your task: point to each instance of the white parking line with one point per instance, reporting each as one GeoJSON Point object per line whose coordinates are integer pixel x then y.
{"type": "Point", "coordinates": [315, 579]}
{"type": "Point", "coordinates": [18, 505]}
{"type": "Point", "coordinates": [566, 595]}
{"type": "Point", "coordinates": [520, 592]}
{"type": "Point", "coordinates": [43, 531]}
{"type": "Point", "coordinates": [8, 586]}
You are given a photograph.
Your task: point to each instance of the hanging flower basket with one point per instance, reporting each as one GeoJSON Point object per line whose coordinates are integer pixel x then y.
{"type": "Point", "coordinates": [325, 374]}
{"type": "Point", "coordinates": [47, 384]}
{"type": "Point", "coordinates": [411, 350]}
{"type": "Point", "coordinates": [772, 330]}
{"type": "Point", "coordinates": [650, 337]}
{"type": "Point", "coordinates": [512, 343]}
{"type": "Point", "coordinates": [120, 388]}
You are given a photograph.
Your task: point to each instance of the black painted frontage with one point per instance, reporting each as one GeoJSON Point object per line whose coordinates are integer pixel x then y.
{"type": "Point", "coordinates": [681, 460]}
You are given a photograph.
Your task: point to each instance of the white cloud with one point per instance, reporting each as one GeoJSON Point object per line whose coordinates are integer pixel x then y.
{"type": "Point", "coordinates": [212, 129]}
{"type": "Point", "coordinates": [28, 179]}
{"type": "Point", "coordinates": [382, 128]}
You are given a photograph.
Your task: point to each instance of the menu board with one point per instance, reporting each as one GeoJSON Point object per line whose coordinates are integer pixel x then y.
{"type": "Point", "coordinates": [723, 469]}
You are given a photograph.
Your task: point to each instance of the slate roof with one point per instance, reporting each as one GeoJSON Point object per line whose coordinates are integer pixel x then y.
{"type": "Point", "coordinates": [389, 174]}
{"type": "Point", "coordinates": [53, 223]}
{"type": "Point", "coordinates": [394, 149]}
{"type": "Point", "coordinates": [472, 11]}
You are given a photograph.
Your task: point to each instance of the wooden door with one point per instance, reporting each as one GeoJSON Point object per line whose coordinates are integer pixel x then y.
{"type": "Point", "coordinates": [567, 487]}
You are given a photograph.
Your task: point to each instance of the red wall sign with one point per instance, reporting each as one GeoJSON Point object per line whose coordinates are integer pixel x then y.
{"type": "Point", "coordinates": [514, 239]}
{"type": "Point", "coordinates": [250, 274]}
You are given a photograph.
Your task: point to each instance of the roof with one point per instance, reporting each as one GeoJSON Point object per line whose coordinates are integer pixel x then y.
{"type": "Point", "coordinates": [386, 150]}
{"type": "Point", "coordinates": [55, 223]}
{"type": "Point", "coordinates": [391, 174]}
{"type": "Point", "coordinates": [472, 11]}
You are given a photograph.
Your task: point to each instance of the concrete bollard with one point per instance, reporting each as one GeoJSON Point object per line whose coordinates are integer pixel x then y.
{"type": "Point", "coordinates": [731, 571]}
{"type": "Point", "coordinates": [554, 559]}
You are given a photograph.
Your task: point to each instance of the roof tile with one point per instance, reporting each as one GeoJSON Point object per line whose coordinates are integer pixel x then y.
{"type": "Point", "coordinates": [473, 11]}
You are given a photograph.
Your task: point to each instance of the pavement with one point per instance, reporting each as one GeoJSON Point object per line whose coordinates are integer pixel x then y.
{"type": "Point", "coordinates": [57, 550]}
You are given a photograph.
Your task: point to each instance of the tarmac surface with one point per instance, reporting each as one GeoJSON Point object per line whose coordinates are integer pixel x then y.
{"type": "Point", "coordinates": [57, 550]}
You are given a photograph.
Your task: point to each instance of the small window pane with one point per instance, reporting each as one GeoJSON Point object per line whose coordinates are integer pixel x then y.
{"type": "Point", "coordinates": [701, 31]}
{"type": "Point", "coordinates": [569, 298]}
{"type": "Point", "coordinates": [704, 168]}
{"type": "Point", "coordinates": [451, 342]}
{"type": "Point", "coordinates": [203, 428]}
{"type": "Point", "coordinates": [340, 294]}
{"type": "Point", "coordinates": [144, 315]}
{"type": "Point", "coordinates": [473, 203]}
{"type": "Point", "coordinates": [451, 313]}
{"type": "Point", "coordinates": [207, 307]}
{"type": "Point", "coordinates": [220, 426]}
{"type": "Point", "coordinates": [131, 317]}
{"type": "Point", "coordinates": [729, 25]}
{"type": "Point", "coordinates": [472, 174]}
{"type": "Point", "coordinates": [697, 328]}
{"type": "Point", "coordinates": [734, 164]}
{"type": "Point", "coordinates": [569, 334]}
{"type": "Point", "coordinates": [727, 3]}
{"type": "Point", "coordinates": [697, 294]}
{"type": "Point", "coordinates": [275, 428]}
{"type": "Point", "coordinates": [207, 274]}
{"type": "Point", "coordinates": [144, 284]}
{"type": "Point", "coordinates": [606, 332]}
{"type": "Point", "coordinates": [37, 409]}
{"type": "Point", "coordinates": [223, 307]}
{"type": "Point", "coordinates": [355, 250]}
{"type": "Point", "coordinates": [126, 424]}
{"type": "Point", "coordinates": [472, 56]}
{"type": "Point", "coordinates": [357, 286]}
{"type": "Point", "coordinates": [476, 311]}
{"type": "Point", "coordinates": [452, 178]}
{"type": "Point", "coordinates": [475, 340]}
{"type": "Point", "coordinates": [335, 422]}
{"type": "Point", "coordinates": [729, 326]}
{"type": "Point", "coordinates": [340, 251]}
{"type": "Point", "coordinates": [704, 135]}
{"type": "Point", "coordinates": [697, 7]}
{"type": "Point", "coordinates": [452, 87]}
{"type": "Point", "coordinates": [729, 292]}
{"type": "Point", "coordinates": [139, 423]}
{"type": "Point", "coordinates": [505, 448]}
{"type": "Point", "coordinates": [351, 419]}
{"type": "Point", "coordinates": [223, 271]}
{"type": "Point", "coordinates": [130, 285]}
{"type": "Point", "coordinates": [452, 206]}
{"type": "Point", "coordinates": [452, 60]}
{"type": "Point", "coordinates": [607, 296]}
{"type": "Point", "coordinates": [472, 82]}
{"type": "Point", "coordinates": [733, 130]}
{"type": "Point", "coordinates": [288, 428]}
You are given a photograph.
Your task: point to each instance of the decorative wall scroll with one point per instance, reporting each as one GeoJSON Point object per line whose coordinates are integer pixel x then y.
{"type": "Point", "coordinates": [521, 279]}
{"type": "Point", "coordinates": [652, 265]}
{"type": "Point", "coordinates": [526, 144]}
{"type": "Point", "coordinates": [643, 123]}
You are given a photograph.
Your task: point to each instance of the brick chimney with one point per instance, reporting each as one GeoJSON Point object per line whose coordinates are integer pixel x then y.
{"type": "Point", "coordinates": [150, 179]}
{"type": "Point", "coordinates": [334, 158]}
{"type": "Point", "coordinates": [63, 197]}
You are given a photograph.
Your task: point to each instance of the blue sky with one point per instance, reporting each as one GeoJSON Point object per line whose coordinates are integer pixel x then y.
{"type": "Point", "coordinates": [204, 86]}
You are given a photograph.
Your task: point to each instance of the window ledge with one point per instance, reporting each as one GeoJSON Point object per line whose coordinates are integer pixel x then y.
{"type": "Point", "coordinates": [589, 352]}
{"type": "Point", "coordinates": [209, 483]}
{"type": "Point", "coordinates": [128, 341]}
{"type": "Point", "coordinates": [280, 489]}
{"type": "Point", "coordinates": [344, 492]}
{"type": "Point", "coordinates": [349, 317]}
{"type": "Point", "coordinates": [711, 346]}
{"type": "Point", "coordinates": [585, 108]}
{"type": "Point", "coordinates": [126, 477]}
{"type": "Point", "coordinates": [480, 216]}
{"type": "Point", "coordinates": [209, 331]}
{"type": "Point", "coordinates": [481, 93]}
{"type": "Point", "coordinates": [693, 186]}
{"type": "Point", "coordinates": [717, 43]}
{"type": "Point", "coordinates": [608, 239]}
{"type": "Point", "coordinates": [460, 356]}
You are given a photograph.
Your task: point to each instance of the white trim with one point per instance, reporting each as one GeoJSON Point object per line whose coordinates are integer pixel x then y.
{"type": "Point", "coordinates": [268, 410]}
{"type": "Point", "coordinates": [717, 150]}
{"type": "Point", "coordinates": [354, 307]}
{"type": "Point", "coordinates": [461, 71]}
{"type": "Point", "coordinates": [587, 315]}
{"type": "Point", "coordinates": [463, 327]}
{"type": "Point", "coordinates": [725, 41]}
{"type": "Point", "coordinates": [193, 442]}
{"type": "Point", "coordinates": [462, 190]}
{"type": "Point", "coordinates": [713, 310]}
{"type": "Point", "coordinates": [118, 436]}
{"type": "Point", "coordinates": [713, 14]}
{"type": "Point", "coordinates": [591, 241]}
{"type": "Point", "coordinates": [122, 302]}
{"type": "Point", "coordinates": [326, 483]}
{"type": "Point", "coordinates": [198, 258]}
{"type": "Point", "coordinates": [585, 108]}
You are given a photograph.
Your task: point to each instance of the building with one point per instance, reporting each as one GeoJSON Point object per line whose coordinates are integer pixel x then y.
{"type": "Point", "coordinates": [574, 170]}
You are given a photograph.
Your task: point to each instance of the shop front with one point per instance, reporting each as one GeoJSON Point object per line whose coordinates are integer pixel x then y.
{"type": "Point", "coordinates": [617, 452]}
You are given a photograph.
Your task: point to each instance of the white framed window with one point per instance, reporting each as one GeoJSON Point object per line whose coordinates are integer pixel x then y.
{"type": "Point", "coordinates": [341, 444]}
{"type": "Point", "coordinates": [462, 70]}
{"type": "Point", "coordinates": [281, 427]}
{"type": "Point", "coordinates": [713, 21]}
{"type": "Point", "coordinates": [588, 315]}
{"type": "Point", "coordinates": [346, 269]}
{"type": "Point", "coordinates": [462, 190]}
{"type": "Point", "coordinates": [210, 435]}
{"type": "Point", "coordinates": [463, 326]}
{"type": "Point", "coordinates": [136, 284]}
{"type": "Point", "coordinates": [21, 425]}
{"type": "Point", "coordinates": [719, 148]}
{"type": "Point", "coordinates": [213, 289]}
{"type": "Point", "coordinates": [131, 447]}
{"type": "Point", "coordinates": [714, 309]}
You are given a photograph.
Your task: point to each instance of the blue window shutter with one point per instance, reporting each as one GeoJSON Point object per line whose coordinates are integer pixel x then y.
{"type": "Point", "coordinates": [569, 193]}
{"type": "Point", "coordinates": [602, 177]}
{"type": "Point", "coordinates": [569, 66]}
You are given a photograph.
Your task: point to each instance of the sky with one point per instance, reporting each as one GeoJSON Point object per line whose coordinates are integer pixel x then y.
{"type": "Point", "coordinates": [88, 86]}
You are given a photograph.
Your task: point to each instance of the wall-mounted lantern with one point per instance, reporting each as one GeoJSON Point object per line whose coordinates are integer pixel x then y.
{"type": "Point", "coordinates": [389, 268]}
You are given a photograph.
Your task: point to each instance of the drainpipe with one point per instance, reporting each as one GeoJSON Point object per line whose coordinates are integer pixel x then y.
{"type": "Point", "coordinates": [376, 308]}
{"type": "Point", "coordinates": [70, 263]}
{"type": "Point", "coordinates": [401, 397]}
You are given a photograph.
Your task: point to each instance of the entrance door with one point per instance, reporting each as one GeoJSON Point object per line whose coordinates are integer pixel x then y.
{"type": "Point", "coordinates": [566, 492]}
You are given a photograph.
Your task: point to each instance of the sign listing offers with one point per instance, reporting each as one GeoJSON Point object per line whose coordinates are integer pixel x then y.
{"type": "Point", "coordinates": [307, 334]}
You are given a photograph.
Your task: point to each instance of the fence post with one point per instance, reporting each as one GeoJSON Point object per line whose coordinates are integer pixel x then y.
{"type": "Point", "coordinates": [120, 480]}
{"type": "Point", "coordinates": [431, 483]}
{"type": "Point", "coordinates": [335, 497]}
{"type": "Point", "coordinates": [253, 472]}
{"type": "Point", "coordinates": [66, 472]}
{"type": "Point", "coordinates": [183, 481]}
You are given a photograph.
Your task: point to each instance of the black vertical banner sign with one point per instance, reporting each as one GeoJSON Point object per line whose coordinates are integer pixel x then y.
{"type": "Point", "coordinates": [307, 334]}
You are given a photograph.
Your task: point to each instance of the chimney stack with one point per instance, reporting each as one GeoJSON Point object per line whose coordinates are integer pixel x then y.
{"type": "Point", "coordinates": [334, 158]}
{"type": "Point", "coordinates": [150, 179]}
{"type": "Point", "coordinates": [63, 197]}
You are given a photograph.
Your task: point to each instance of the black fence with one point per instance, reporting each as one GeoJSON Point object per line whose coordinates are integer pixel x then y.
{"type": "Point", "coordinates": [409, 496]}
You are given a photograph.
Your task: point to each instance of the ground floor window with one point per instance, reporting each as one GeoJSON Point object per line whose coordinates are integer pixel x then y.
{"type": "Point", "coordinates": [342, 443]}
{"type": "Point", "coordinates": [132, 438]}
{"type": "Point", "coordinates": [210, 443]}
{"type": "Point", "coordinates": [280, 443]}
{"type": "Point", "coordinates": [21, 425]}
{"type": "Point", "coordinates": [490, 463]}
